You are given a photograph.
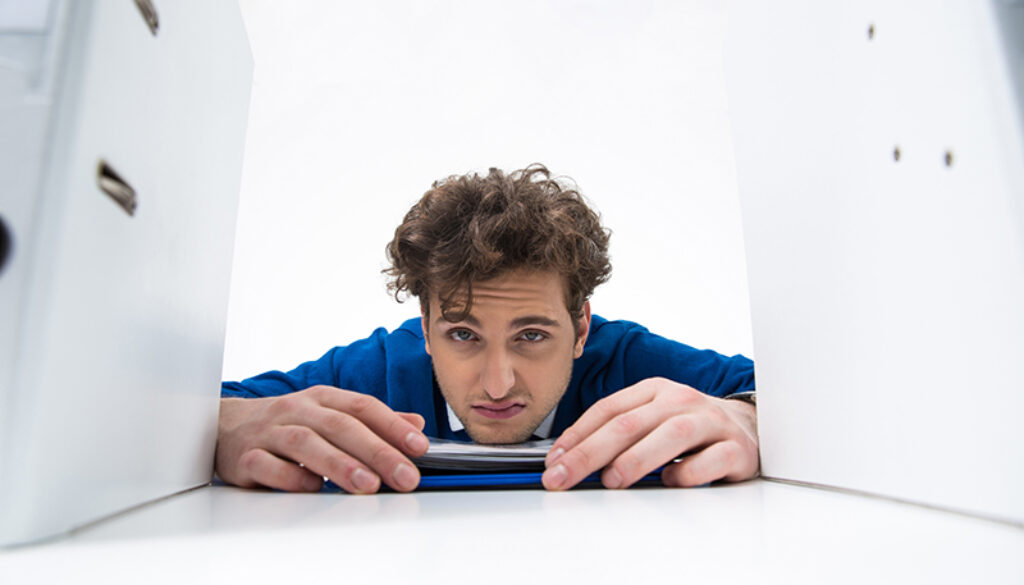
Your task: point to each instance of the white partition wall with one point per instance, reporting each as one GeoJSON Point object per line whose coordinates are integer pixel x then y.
{"type": "Point", "coordinates": [123, 126]}
{"type": "Point", "coordinates": [880, 160]}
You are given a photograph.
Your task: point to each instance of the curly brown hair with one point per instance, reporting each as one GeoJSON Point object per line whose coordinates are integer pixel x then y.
{"type": "Point", "coordinates": [469, 228]}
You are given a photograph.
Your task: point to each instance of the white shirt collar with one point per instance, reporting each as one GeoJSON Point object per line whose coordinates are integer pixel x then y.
{"type": "Point", "coordinates": [543, 431]}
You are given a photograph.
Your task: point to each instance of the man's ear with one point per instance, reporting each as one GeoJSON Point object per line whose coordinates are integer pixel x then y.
{"type": "Point", "coordinates": [426, 330]}
{"type": "Point", "coordinates": [582, 331]}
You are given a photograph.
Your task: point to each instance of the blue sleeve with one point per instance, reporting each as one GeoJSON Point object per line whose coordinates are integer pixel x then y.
{"type": "Point", "coordinates": [360, 366]}
{"type": "Point", "coordinates": [622, 353]}
{"type": "Point", "coordinates": [648, 355]}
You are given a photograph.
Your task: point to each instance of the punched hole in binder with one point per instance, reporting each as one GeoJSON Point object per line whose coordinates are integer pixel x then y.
{"type": "Point", "coordinates": [115, 187]}
{"type": "Point", "coordinates": [5, 244]}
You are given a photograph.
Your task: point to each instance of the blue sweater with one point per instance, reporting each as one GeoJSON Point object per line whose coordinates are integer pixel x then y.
{"type": "Point", "coordinates": [395, 368]}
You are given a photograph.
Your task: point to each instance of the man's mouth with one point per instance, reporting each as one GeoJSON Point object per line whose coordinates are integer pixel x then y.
{"type": "Point", "coordinates": [499, 410]}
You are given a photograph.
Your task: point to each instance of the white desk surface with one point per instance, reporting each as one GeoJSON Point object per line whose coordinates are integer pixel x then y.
{"type": "Point", "coordinates": [758, 531]}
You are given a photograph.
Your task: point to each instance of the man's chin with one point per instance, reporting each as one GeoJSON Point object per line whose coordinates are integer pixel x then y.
{"type": "Point", "coordinates": [486, 435]}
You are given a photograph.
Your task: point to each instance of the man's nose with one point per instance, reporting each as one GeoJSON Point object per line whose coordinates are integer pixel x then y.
{"type": "Point", "coordinates": [498, 376]}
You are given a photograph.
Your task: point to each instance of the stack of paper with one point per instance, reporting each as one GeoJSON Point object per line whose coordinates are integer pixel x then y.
{"type": "Point", "coordinates": [458, 456]}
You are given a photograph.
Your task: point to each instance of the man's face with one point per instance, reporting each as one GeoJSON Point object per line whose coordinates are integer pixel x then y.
{"type": "Point", "coordinates": [505, 366]}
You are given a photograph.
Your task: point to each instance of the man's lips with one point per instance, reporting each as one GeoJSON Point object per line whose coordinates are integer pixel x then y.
{"type": "Point", "coordinates": [499, 410]}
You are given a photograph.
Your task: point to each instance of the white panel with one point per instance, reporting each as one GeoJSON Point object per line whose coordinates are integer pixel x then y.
{"type": "Point", "coordinates": [115, 397]}
{"type": "Point", "coordinates": [24, 16]}
{"type": "Point", "coordinates": [886, 294]}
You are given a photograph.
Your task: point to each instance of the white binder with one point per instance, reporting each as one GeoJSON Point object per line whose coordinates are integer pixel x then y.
{"type": "Point", "coordinates": [122, 128]}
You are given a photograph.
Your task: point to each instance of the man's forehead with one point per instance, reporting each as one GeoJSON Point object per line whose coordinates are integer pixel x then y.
{"type": "Point", "coordinates": [538, 295]}
{"type": "Point", "coordinates": [516, 284]}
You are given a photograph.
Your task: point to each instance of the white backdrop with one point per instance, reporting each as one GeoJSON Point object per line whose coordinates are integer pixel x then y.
{"type": "Point", "coordinates": [357, 107]}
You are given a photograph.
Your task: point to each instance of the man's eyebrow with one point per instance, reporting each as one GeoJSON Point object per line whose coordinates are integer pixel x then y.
{"type": "Point", "coordinates": [517, 323]}
{"type": "Point", "coordinates": [533, 320]}
{"type": "Point", "coordinates": [469, 319]}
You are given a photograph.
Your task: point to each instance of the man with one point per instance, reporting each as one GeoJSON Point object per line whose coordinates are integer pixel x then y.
{"type": "Point", "coordinates": [505, 349]}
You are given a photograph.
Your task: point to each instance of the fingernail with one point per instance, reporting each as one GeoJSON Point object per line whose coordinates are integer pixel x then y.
{"type": "Point", "coordinates": [612, 479]}
{"type": "Point", "coordinates": [553, 455]}
{"type": "Point", "coordinates": [311, 483]}
{"type": "Point", "coordinates": [364, 481]}
{"type": "Point", "coordinates": [556, 477]}
{"type": "Point", "coordinates": [416, 442]}
{"type": "Point", "coordinates": [405, 477]}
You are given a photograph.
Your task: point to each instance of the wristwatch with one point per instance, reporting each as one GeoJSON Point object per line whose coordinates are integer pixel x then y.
{"type": "Point", "coordinates": [750, 397]}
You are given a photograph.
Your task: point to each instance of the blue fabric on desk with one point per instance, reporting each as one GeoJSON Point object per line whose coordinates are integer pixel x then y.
{"type": "Point", "coordinates": [395, 368]}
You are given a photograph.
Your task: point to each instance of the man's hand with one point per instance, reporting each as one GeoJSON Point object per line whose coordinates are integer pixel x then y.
{"type": "Point", "coordinates": [292, 442]}
{"type": "Point", "coordinates": [640, 428]}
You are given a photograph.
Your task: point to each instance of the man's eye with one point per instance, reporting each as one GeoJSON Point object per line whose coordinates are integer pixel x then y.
{"type": "Point", "coordinates": [533, 336]}
{"type": "Point", "coordinates": [461, 335]}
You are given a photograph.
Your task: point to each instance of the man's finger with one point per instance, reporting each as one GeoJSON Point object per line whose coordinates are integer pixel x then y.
{"type": "Point", "coordinates": [610, 442]}
{"type": "Point", "coordinates": [673, 436]}
{"type": "Point", "coordinates": [380, 419]}
{"type": "Point", "coordinates": [302, 444]}
{"type": "Point", "coordinates": [352, 436]}
{"type": "Point", "coordinates": [721, 460]}
{"type": "Point", "coordinates": [260, 467]}
{"type": "Point", "coordinates": [597, 416]}
{"type": "Point", "coordinates": [414, 419]}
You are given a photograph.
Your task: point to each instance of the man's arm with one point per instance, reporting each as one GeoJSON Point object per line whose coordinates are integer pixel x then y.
{"type": "Point", "coordinates": [291, 442]}
{"type": "Point", "coordinates": [640, 428]}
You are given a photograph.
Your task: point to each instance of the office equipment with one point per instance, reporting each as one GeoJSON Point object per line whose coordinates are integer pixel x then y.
{"type": "Point", "coordinates": [880, 158]}
{"type": "Point", "coordinates": [460, 465]}
{"type": "Point", "coordinates": [123, 127]}
{"type": "Point", "coordinates": [446, 455]}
